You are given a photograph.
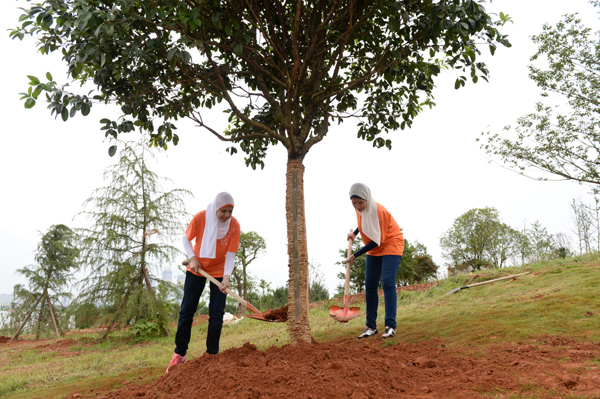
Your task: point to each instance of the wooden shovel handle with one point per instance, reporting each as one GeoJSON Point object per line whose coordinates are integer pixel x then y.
{"type": "Point", "coordinates": [218, 283]}
{"type": "Point", "coordinates": [497, 279]}
{"type": "Point", "coordinates": [347, 282]}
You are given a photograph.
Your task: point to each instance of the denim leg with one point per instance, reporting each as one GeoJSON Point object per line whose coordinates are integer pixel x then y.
{"type": "Point", "coordinates": [192, 290]}
{"type": "Point", "coordinates": [389, 269]}
{"type": "Point", "coordinates": [372, 276]}
{"type": "Point", "coordinates": [216, 310]}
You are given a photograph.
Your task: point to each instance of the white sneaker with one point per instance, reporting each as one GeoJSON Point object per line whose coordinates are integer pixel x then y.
{"type": "Point", "coordinates": [367, 333]}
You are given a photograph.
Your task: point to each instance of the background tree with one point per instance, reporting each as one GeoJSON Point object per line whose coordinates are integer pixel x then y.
{"type": "Point", "coordinates": [283, 71]}
{"type": "Point", "coordinates": [523, 250]}
{"type": "Point", "coordinates": [583, 225]}
{"type": "Point", "coordinates": [468, 241]}
{"type": "Point", "coordinates": [504, 245]}
{"type": "Point", "coordinates": [251, 245]}
{"type": "Point", "coordinates": [562, 245]}
{"type": "Point", "coordinates": [318, 289]}
{"type": "Point", "coordinates": [48, 280]}
{"type": "Point", "coordinates": [416, 266]}
{"type": "Point", "coordinates": [541, 242]}
{"type": "Point", "coordinates": [563, 139]}
{"type": "Point", "coordinates": [133, 221]}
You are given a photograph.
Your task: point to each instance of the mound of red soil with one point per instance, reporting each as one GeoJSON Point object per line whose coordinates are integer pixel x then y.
{"type": "Point", "coordinates": [368, 369]}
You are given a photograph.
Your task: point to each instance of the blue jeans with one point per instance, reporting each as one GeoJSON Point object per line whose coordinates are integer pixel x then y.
{"type": "Point", "coordinates": [382, 268]}
{"type": "Point", "coordinates": [192, 290]}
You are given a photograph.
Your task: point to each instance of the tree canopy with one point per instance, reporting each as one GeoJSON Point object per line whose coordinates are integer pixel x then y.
{"type": "Point", "coordinates": [133, 222]}
{"type": "Point", "coordinates": [56, 257]}
{"type": "Point", "coordinates": [562, 139]}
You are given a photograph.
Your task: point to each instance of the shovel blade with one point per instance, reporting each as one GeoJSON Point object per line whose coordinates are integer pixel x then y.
{"type": "Point", "coordinates": [257, 317]}
{"type": "Point", "coordinates": [343, 314]}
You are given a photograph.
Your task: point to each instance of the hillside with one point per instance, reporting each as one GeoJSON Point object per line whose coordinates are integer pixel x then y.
{"type": "Point", "coordinates": [536, 336]}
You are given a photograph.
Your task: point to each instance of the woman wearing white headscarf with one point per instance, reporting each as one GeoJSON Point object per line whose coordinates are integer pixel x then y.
{"type": "Point", "coordinates": [384, 245]}
{"type": "Point", "coordinates": [217, 236]}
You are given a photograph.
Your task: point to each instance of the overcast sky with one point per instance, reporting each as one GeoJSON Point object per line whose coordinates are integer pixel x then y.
{"type": "Point", "coordinates": [434, 173]}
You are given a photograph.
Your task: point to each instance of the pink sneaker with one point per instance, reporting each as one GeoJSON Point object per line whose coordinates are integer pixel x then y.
{"type": "Point", "coordinates": [176, 361]}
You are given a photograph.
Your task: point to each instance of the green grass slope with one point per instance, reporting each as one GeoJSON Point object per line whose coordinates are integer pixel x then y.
{"type": "Point", "coordinates": [559, 297]}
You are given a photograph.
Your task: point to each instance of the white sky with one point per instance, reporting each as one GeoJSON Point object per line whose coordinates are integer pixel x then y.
{"type": "Point", "coordinates": [434, 173]}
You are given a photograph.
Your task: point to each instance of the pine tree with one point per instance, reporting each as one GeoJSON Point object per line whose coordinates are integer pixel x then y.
{"type": "Point", "coordinates": [56, 258]}
{"type": "Point", "coordinates": [133, 221]}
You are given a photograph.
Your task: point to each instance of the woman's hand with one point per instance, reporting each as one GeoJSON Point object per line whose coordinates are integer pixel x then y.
{"type": "Point", "coordinates": [195, 265]}
{"type": "Point", "coordinates": [225, 284]}
{"type": "Point", "coordinates": [351, 236]}
{"type": "Point", "coordinates": [351, 259]}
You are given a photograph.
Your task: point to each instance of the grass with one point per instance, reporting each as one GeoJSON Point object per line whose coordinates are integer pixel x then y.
{"type": "Point", "coordinates": [556, 297]}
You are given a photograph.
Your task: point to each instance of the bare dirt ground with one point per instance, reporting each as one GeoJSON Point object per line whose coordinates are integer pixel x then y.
{"type": "Point", "coordinates": [549, 367]}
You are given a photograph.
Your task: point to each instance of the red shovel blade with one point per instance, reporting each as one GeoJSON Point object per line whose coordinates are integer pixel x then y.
{"type": "Point", "coordinates": [345, 313]}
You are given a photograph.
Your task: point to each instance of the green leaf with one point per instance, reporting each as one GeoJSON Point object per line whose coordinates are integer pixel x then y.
{"type": "Point", "coordinates": [112, 150]}
{"type": "Point", "coordinates": [29, 103]}
{"type": "Point", "coordinates": [33, 80]}
{"type": "Point", "coordinates": [238, 49]}
{"type": "Point", "coordinates": [64, 114]}
{"type": "Point", "coordinates": [48, 76]}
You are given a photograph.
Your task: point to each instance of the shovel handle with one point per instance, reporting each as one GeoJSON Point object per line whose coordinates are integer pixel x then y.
{"type": "Point", "coordinates": [347, 283]}
{"type": "Point", "coordinates": [218, 283]}
{"type": "Point", "coordinates": [497, 279]}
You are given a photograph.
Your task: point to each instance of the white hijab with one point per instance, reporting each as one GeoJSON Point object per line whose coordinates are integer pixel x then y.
{"type": "Point", "coordinates": [214, 229]}
{"type": "Point", "coordinates": [370, 220]}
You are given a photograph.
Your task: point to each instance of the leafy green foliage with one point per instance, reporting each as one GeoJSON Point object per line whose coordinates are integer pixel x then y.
{"type": "Point", "coordinates": [250, 247]}
{"type": "Point", "coordinates": [282, 72]}
{"type": "Point", "coordinates": [562, 140]}
{"type": "Point", "coordinates": [133, 222]}
{"type": "Point", "coordinates": [416, 266]}
{"type": "Point", "coordinates": [478, 239]}
{"type": "Point", "coordinates": [56, 257]}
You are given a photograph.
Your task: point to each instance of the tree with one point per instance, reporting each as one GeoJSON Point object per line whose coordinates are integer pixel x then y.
{"type": "Point", "coordinates": [318, 291]}
{"type": "Point", "coordinates": [133, 221]}
{"type": "Point", "coordinates": [564, 143]}
{"type": "Point", "coordinates": [416, 265]}
{"type": "Point", "coordinates": [251, 245]}
{"type": "Point", "coordinates": [583, 220]}
{"type": "Point", "coordinates": [505, 245]}
{"type": "Point", "coordinates": [56, 258]}
{"type": "Point", "coordinates": [467, 242]}
{"type": "Point", "coordinates": [541, 242]}
{"type": "Point", "coordinates": [283, 71]}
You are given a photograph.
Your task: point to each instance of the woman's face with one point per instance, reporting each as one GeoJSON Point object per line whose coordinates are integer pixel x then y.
{"type": "Point", "coordinates": [359, 204]}
{"type": "Point", "coordinates": [224, 213]}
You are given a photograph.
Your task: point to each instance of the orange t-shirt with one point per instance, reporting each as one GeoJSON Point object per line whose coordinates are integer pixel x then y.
{"type": "Point", "coordinates": [392, 240]}
{"type": "Point", "coordinates": [230, 243]}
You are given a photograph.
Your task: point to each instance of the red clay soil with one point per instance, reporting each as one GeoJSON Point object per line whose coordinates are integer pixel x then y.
{"type": "Point", "coordinates": [554, 367]}
{"type": "Point", "coordinates": [549, 367]}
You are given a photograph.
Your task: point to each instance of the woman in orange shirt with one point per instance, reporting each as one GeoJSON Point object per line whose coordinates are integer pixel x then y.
{"type": "Point", "coordinates": [217, 236]}
{"type": "Point", "coordinates": [384, 245]}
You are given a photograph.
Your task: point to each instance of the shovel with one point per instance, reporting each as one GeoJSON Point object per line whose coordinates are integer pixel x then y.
{"type": "Point", "coordinates": [485, 282]}
{"type": "Point", "coordinates": [257, 314]}
{"type": "Point", "coordinates": [344, 314]}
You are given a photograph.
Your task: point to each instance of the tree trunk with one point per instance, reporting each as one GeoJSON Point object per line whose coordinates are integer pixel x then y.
{"type": "Point", "coordinates": [53, 317]}
{"type": "Point", "coordinates": [27, 318]}
{"type": "Point", "coordinates": [298, 326]}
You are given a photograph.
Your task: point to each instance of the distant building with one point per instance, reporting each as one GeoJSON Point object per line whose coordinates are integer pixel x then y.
{"type": "Point", "coordinates": [181, 278]}
{"type": "Point", "coordinates": [167, 275]}
{"type": "Point", "coordinates": [5, 299]}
